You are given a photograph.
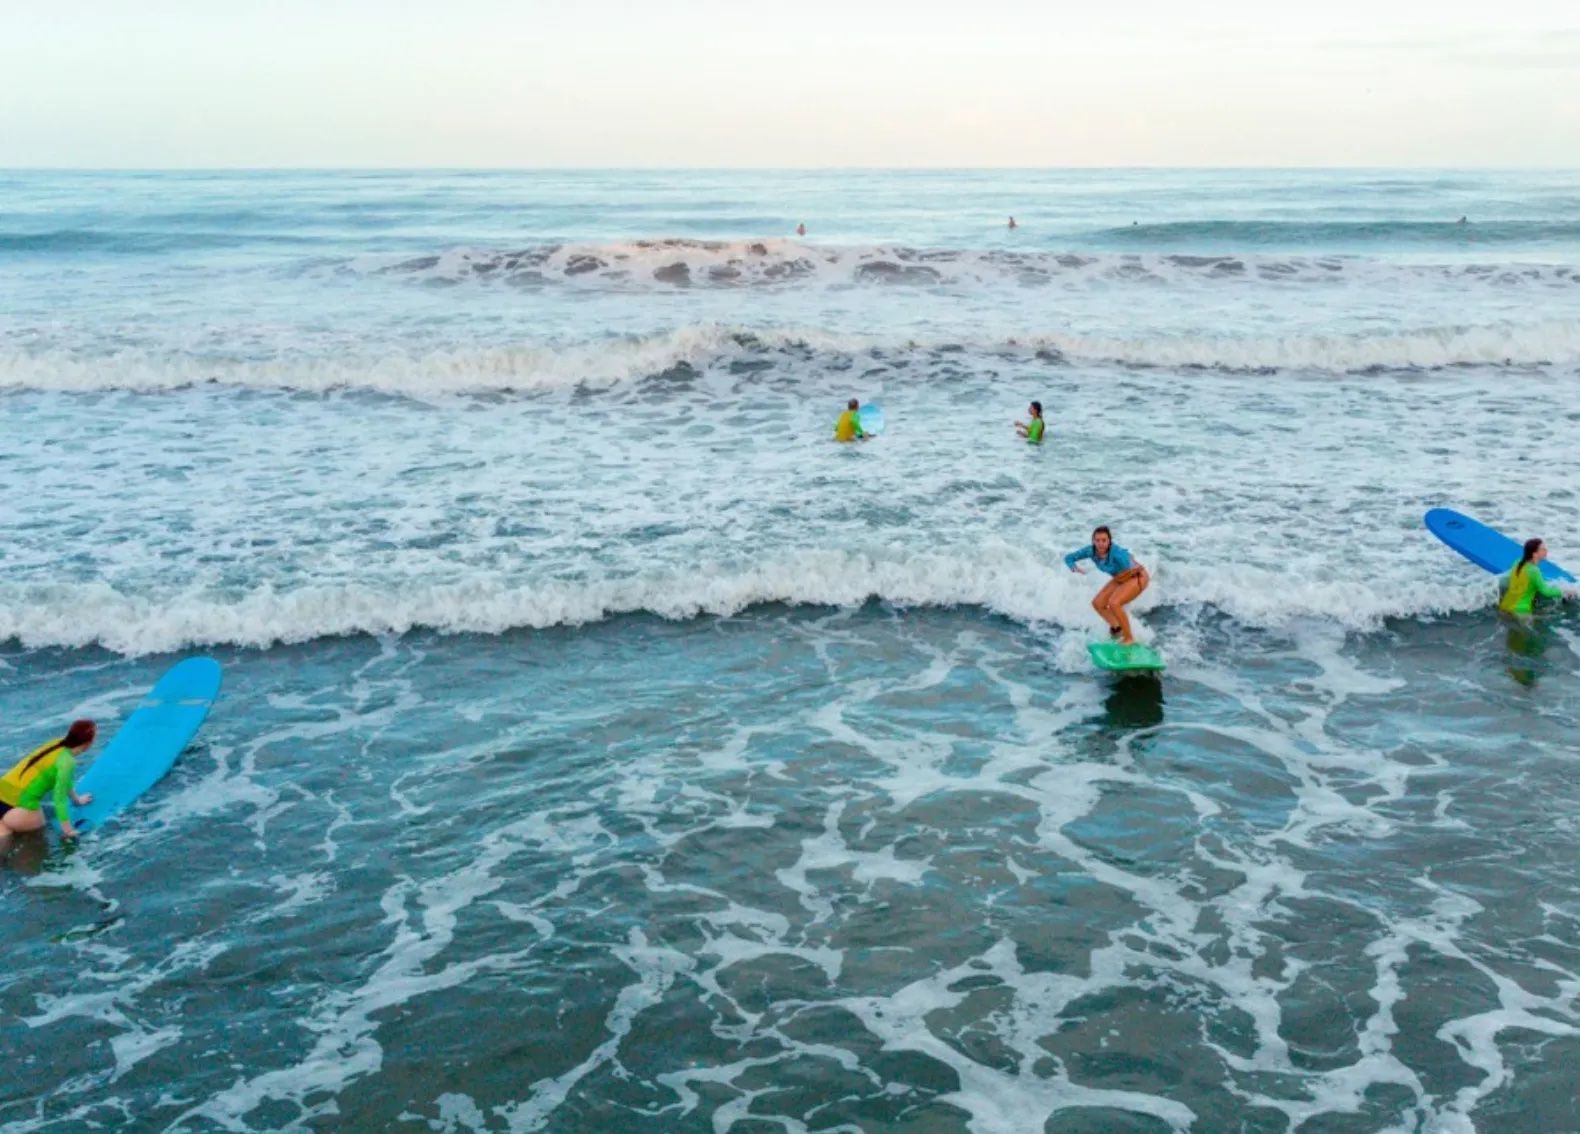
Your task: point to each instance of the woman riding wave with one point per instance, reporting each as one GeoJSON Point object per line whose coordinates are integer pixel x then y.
{"type": "Point", "coordinates": [1127, 579]}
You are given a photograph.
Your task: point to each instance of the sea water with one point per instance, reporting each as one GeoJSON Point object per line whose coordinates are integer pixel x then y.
{"type": "Point", "coordinates": [604, 749]}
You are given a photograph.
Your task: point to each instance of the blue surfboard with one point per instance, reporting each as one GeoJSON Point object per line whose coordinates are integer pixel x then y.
{"type": "Point", "coordinates": [146, 746]}
{"type": "Point", "coordinates": [871, 418]}
{"type": "Point", "coordinates": [1487, 548]}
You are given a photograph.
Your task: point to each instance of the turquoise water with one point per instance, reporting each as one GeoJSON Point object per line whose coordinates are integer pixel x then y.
{"type": "Point", "coordinates": [602, 749]}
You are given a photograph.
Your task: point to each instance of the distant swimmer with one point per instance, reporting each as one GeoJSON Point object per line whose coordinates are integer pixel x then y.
{"type": "Point", "coordinates": [1032, 430]}
{"type": "Point", "coordinates": [45, 771]}
{"type": "Point", "coordinates": [800, 229]}
{"type": "Point", "coordinates": [1463, 220]}
{"type": "Point", "coordinates": [1524, 584]}
{"type": "Point", "coordinates": [1127, 579]}
{"type": "Point", "coordinates": [848, 427]}
{"type": "Point", "coordinates": [1012, 223]}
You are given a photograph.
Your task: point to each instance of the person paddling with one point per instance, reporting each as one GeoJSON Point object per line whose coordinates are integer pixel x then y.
{"type": "Point", "coordinates": [1127, 579]}
{"type": "Point", "coordinates": [1524, 584]}
{"type": "Point", "coordinates": [49, 770]}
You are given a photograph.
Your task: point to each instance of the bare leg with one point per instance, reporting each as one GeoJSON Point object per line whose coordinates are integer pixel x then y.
{"type": "Point", "coordinates": [1101, 604]}
{"type": "Point", "coordinates": [1125, 593]}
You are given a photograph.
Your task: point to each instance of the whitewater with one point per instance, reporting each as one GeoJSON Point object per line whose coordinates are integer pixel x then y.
{"type": "Point", "coordinates": [603, 747]}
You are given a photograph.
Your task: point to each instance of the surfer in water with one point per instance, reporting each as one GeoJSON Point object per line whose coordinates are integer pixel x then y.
{"type": "Point", "coordinates": [1524, 584]}
{"type": "Point", "coordinates": [1032, 430]}
{"type": "Point", "coordinates": [1126, 580]}
{"type": "Point", "coordinates": [46, 771]}
{"type": "Point", "coordinates": [848, 428]}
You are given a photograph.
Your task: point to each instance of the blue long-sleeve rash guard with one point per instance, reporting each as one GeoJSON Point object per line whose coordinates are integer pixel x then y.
{"type": "Point", "coordinates": [1117, 563]}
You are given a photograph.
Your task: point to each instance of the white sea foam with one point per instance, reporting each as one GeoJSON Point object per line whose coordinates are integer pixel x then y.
{"type": "Point", "coordinates": [608, 362]}
{"type": "Point", "coordinates": [1016, 585]}
{"type": "Point", "coordinates": [671, 263]}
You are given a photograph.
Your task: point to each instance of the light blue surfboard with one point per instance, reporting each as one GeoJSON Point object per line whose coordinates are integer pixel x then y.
{"type": "Point", "coordinates": [146, 746]}
{"type": "Point", "coordinates": [1488, 549]}
{"type": "Point", "coordinates": [1117, 658]}
{"type": "Point", "coordinates": [871, 418]}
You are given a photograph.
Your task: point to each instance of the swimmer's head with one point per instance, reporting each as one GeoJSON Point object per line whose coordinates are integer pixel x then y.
{"type": "Point", "coordinates": [1534, 552]}
{"type": "Point", "coordinates": [1102, 540]}
{"type": "Point", "coordinates": [1036, 409]}
{"type": "Point", "coordinates": [854, 403]}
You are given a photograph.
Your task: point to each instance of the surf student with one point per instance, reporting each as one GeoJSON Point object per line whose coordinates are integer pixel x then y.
{"type": "Point", "coordinates": [1127, 579]}
{"type": "Point", "coordinates": [1524, 583]}
{"type": "Point", "coordinates": [848, 428]}
{"type": "Point", "coordinates": [1012, 223]}
{"type": "Point", "coordinates": [800, 229]}
{"type": "Point", "coordinates": [1032, 430]}
{"type": "Point", "coordinates": [48, 770]}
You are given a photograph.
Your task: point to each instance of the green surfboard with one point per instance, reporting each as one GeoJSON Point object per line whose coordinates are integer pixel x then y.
{"type": "Point", "coordinates": [1125, 659]}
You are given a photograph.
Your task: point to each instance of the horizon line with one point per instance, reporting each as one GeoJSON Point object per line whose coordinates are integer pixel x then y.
{"type": "Point", "coordinates": [1240, 168]}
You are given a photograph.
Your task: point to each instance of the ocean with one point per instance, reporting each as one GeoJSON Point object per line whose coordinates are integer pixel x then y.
{"type": "Point", "coordinates": [603, 749]}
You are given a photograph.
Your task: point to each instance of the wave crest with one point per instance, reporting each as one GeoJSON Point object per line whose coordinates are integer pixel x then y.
{"type": "Point", "coordinates": [608, 363]}
{"type": "Point", "coordinates": [1011, 582]}
{"type": "Point", "coordinates": [641, 265]}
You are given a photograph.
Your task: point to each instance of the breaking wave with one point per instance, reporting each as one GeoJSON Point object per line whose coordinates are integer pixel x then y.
{"type": "Point", "coordinates": [1009, 582]}
{"type": "Point", "coordinates": [681, 263]}
{"type": "Point", "coordinates": [606, 363]}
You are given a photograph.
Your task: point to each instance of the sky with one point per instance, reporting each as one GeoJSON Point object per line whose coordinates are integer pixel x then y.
{"type": "Point", "coordinates": [746, 83]}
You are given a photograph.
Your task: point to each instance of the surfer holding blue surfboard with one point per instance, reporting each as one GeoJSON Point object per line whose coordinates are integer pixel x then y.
{"type": "Point", "coordinates": [1526, 572]}
{"type": "Point", "coordinates": [1525, 583]}
{"type": "Point", "coordinates": [47, 771]}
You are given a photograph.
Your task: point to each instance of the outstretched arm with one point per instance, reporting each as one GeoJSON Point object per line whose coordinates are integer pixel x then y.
{"type": "Point", "coordinates": [1543, 587]}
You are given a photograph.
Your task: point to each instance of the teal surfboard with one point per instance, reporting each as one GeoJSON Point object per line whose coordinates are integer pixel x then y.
{"type": "Point", "coordinates": [1117, 658]}
{"type": "Point", "coordinates": [147, 745]}
{"type": "Point", "coordinates": [871, 418]}
{"type": "Point", "coordinates": [1486, 547]}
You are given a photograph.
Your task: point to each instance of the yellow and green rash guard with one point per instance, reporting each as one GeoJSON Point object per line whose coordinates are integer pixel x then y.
{"type": "Point", "coordinates": [1524, 584]}
{"type": "Point", "coordinates": [849, 427]}
{"type": "Point", "coordinates": [28, 769]}
{"type": "Point", "coordinates": [57, 777]}
{"type": "Point", "coordinates": [1034, 429]}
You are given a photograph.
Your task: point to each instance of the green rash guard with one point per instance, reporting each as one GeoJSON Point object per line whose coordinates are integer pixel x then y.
{"type": "Point", "coordinates": [58, 776]}
{"type": "Point", "coordinates": [1524, 584]}
{"type": "Point", "coordinates": [1034, 429]}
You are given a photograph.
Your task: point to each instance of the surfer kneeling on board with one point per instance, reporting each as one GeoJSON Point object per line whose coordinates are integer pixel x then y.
{"type": "Point", "coordinates": [1524, 582]}
{"type": "Point", "coordinates": [1127, 579]}
{"type": "Point", "coordinates": [43, 771]}
{"type": "Point", "coordinates": [1032, 430]}
{"type": "Point", "coordinates": [848, 428]}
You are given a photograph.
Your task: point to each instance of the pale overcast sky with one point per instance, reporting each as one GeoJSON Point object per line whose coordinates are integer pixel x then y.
{"type": "Point", "coordinates": [504, 83]}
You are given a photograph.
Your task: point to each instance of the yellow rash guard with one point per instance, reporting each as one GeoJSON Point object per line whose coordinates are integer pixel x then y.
{"type": "Point", "coordinates": [1524, 585]}
{"type": "Point", "coordinates": [849, 426]}
{"type": "Point", "coordinates": [27, 771]}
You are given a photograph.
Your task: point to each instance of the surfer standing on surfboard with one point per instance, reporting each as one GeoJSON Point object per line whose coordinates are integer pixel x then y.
{"type": "Point", "coordinates": [1127, 579]}
{"type": "Point", "coordinates": [44, 771]}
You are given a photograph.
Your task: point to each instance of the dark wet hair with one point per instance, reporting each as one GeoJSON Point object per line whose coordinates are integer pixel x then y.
{"type": "Point", "coordinates": [854, 403]}
{"type": "Point", "coordinates": [79, 735]}
{"type": "Point", "coordinates": [1038, 407]}
{"type": "Point", "coordinates": [1103, 529]}
{"type": "Point", "coordinates": [1532, 546]}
